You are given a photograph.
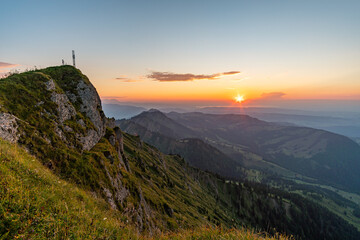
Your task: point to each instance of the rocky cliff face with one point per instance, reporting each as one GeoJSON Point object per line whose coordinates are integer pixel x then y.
{"type": "Point", "coordinates": [79, 95]}
{"type": "Point", "coordinates": [56, 114]}
{"type": "Point", "coordinates": [90, 106]}
{"type": "Point", "coordinates": [63, 97]}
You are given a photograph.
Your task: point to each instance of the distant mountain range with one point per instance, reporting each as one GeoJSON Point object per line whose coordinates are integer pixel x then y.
{"type": "Point", "coordinates": [118, 111]}
{"type": "Point", "coordinates": [172, 138]}
{"type": "Point", "coordinates": [330, 158]}
{"type": "Point", "coordinates": [344, 123]}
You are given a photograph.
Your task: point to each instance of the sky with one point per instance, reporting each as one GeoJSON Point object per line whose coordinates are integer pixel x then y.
{"type": "Point", "coordinates": [270, 51]}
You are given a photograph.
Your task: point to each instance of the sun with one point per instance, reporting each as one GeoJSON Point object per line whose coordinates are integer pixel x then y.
{"type": "Point", "coordinates": [239, 98]}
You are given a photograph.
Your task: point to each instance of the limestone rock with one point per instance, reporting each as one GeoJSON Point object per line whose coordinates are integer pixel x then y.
{"type": "Point", "coordinates": [8, 127]}
{"type": "Point", "coordinates": [65, 109]}
{"type": "Point", "coordinates": [90, 105]}
{"type": "Point", "coordinates": [90, 139]}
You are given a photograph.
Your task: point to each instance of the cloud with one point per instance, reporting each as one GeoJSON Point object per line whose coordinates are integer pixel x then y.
{"type": "Point", "coordinates": [231, 73]}
{"type": "Point", "coordinates": [4, 66]}
{"type": "Point", "coordinates": [7, 65]}
{"type": "Point", "coordinates": [272, 95]}
{"type": "Point", "coordinates": [126, 79]}
{"type": "Point", "coordinates": [173, 77]}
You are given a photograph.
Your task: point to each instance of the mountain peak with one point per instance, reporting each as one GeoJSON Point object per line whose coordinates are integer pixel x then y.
{"type": "Point", "coordinates": [152, 110]}
{"type": "Point", "coordinates": [64, 98]}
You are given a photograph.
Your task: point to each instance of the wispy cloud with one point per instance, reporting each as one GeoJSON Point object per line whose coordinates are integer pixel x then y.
{"type": "Point", "coordinates": [4, 66]}
{"type": "Point", "coordinates": [174, 77]}
{"type": "Point", "coordinates": [272, 95]}
{"type": "Point", "coordinates": [127, 79]}
{"type": "Point", "coordinates": [7, 65]}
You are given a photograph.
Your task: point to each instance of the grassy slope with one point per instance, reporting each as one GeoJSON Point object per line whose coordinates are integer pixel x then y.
{"type": "Point", "coordinates": [329, 199]}
{"type": "Point", "coordinates": [36, 204]}
{"type": "Point", "coordinates": [197, 197]}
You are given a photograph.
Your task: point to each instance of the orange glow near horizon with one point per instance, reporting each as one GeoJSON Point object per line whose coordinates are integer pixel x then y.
{"type": "Point", "coordinates": [223, 90]}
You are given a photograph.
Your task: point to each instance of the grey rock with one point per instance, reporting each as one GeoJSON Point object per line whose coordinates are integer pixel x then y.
{"type": "Point", "coordinates": [65, 109]}
{"type": "Point", "coordinates": [112, 140]}
{"type": "Point", "coordinates": [110, 122]}
{"type": "Point", "coordinates": [109, 198]}
{"type": "Point", "coordinates": [122, 194]}
{"type": "Point", "coordinates": [8, 127]}
{"type": "Point", "coordinates": [50, 85]}
{"type": "Point", "coordinates": [68, 129]}
{"type": "Point", "coordinates": [60, 134]}
{"type": "Point", "coordinates": [90, 139]}
{"type": "Point", "coordinates": [90, 106]}
{"type": "Point", "coordinates": [81, 122]}
{"type": "Point", "coordinates": [120, 149]}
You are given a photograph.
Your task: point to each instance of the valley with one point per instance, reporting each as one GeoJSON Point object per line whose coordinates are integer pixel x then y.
{"type": "Point", "coordinates": [250, 158]}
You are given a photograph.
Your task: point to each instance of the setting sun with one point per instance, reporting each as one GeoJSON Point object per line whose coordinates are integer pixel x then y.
{"type": "Point", "coordinates": [239, 98]}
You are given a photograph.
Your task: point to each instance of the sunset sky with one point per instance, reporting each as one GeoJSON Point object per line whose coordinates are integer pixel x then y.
{"type": "Point", "coordinates": [138, 51]}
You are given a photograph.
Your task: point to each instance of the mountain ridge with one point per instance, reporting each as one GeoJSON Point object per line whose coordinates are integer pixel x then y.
{"type": "Point", "coordinates": [56, 114]}
{"type": "Point", "coordinates": [310, 149]}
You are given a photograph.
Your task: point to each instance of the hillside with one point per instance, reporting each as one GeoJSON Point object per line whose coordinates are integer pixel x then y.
{"type": "Point", "coordinates": [330, 158]}
{"type": "Point", "coordinates": [246, 162]}
{"type": "Point", "coordinates": [195, 151]}
{"type": "Point", "coordinates": [56, 115]}
{"type": "Point", "coordinates": [285, 150]}
{"type": "Point", "coordinates": [37, 204]}
{"type": "Point", "coordinates": [343, 123]}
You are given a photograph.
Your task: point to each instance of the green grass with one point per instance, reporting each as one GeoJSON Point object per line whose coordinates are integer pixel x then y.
{"type": "Point", "coordinates": [36, 204]}
{"type": "Point", "coordinates": [342, 209]}
{"type": "Point", "coordinates": [211, 233]}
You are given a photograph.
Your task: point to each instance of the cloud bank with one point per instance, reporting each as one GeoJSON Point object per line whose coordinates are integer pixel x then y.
{"type": "Point", "coordinates": [5, 68]}
{"type": "Point", "coordinates": [4, 65]}
{"type": "Point", "coordinates": [174, 77]}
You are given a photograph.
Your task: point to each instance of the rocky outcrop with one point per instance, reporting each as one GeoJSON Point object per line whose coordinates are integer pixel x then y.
{"type": "Point", "coordinates": [109, 198]}
{"type": "Point", "coordinates": [90, 105]}
{"type": "Point", "coordinates": [119, 145]}
{"type": "Point", "coordinates": [8, 127]}
{"type": "Point", "coordinates": [91, 138]}
{"type": "Point", "coordinates": [88, 101]}
{"type": "Point", "coordinates": [65, 109]}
